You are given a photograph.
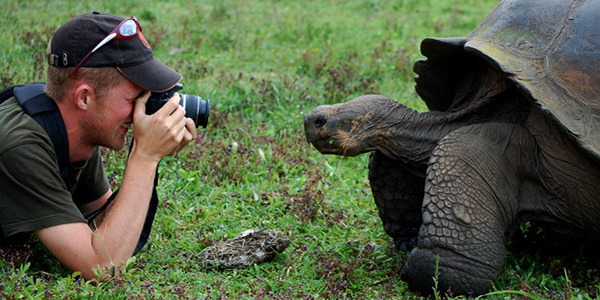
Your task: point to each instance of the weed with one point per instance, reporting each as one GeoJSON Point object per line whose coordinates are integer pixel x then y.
{"type": "Point", "coordinates": [436, 276]}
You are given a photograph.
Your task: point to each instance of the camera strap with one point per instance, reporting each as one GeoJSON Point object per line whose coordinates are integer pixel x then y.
{"type": "Point", "coordinates": [152, 207]}
{"type": "Point", "coordinates": [149, 216]}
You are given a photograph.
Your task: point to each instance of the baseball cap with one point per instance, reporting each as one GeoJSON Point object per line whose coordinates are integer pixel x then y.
{"type": "Point", "coordinates": [132, 56]}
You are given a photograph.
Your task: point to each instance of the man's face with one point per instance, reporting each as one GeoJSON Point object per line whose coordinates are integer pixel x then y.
{"type": "Point", "coordinates": [110, 117]}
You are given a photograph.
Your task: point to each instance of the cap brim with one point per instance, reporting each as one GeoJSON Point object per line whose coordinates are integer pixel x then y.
{"type": "Point", "coordinates": [152, 75]}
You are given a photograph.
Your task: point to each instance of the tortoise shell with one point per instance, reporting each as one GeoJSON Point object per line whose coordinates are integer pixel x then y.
{"type": "Point", "coordinates": [549, 48]}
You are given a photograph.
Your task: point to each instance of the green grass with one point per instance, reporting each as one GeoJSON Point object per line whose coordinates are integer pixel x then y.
{"type": "Point", "coordinates": [264, 64]}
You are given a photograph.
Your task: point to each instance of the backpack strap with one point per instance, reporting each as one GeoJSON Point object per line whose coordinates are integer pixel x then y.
{"type": "Point", "coordinates": [6, 93]}
{"type": "Point", "coordinates": [45, 112]}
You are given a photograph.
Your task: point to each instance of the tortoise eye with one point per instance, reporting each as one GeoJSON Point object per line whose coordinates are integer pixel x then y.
{"type": "Point", "coordinates": [320, 122]}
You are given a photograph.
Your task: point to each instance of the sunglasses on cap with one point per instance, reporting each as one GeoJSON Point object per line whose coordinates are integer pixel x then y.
{"type": "Point", "coordinates": [127, 29]}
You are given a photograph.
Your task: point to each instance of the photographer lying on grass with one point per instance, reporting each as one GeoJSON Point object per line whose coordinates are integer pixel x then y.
{"type": "Point", "coordinates": [100, 74]}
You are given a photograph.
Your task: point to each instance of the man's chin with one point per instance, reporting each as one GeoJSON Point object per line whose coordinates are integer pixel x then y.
{"type": "Point", "coordinates": [120, 146]}
{"type": "Point", "coordinates": [116, 145]}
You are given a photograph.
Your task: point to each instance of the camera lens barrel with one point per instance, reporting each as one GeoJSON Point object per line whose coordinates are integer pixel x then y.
{"type": "Point", "coordinates": [195, 108]}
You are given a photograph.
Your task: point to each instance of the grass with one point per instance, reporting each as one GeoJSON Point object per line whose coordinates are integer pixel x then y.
{"type": "Point", "coordinates": [264, 64]}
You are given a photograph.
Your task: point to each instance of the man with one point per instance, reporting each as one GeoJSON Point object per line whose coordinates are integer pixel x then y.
{"type": "Point", "coordinates": [100, 74]}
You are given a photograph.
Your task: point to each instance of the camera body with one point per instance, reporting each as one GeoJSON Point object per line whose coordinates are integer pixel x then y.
{"type": "Point", "coordinates": [195, 107]}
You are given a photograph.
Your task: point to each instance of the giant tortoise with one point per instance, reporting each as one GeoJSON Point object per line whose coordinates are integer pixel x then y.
{"type": "Point", "coordinates": [512, 135]}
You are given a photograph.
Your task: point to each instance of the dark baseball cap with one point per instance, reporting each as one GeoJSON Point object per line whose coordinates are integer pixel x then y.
{"type": "Point", "coordinates": [131, 56]}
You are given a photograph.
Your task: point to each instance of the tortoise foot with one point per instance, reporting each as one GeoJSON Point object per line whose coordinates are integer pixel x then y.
{"type": "Point", "coordinates": [405, 244]}
{"type": "Point", "coordinates": [456, 275]}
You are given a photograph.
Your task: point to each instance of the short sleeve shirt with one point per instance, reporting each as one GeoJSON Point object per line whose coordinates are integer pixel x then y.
{"type": "Point", "coordinates": [32, 194]}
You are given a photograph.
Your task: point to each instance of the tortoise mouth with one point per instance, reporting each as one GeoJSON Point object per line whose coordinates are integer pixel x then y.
{"type": "Point", "coordinates": [325, 146]}
{"type": "Point", "coordinates": [336, 145]}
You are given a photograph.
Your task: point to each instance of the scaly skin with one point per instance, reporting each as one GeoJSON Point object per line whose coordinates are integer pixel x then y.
{"type": "Point", "coordinates": [470, 202]}
{"type": "Point", "coordinates": [483, 170]}
{"type": "Point", "coordinates": [398, 195]}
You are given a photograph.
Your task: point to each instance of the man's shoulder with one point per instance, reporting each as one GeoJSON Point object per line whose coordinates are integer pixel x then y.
{"type": "Point", "coordinates": [16, 127]}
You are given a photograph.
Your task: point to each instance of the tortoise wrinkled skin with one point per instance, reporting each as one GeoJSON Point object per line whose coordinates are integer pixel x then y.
{"type": "Point", "coordinates": [512, 135]}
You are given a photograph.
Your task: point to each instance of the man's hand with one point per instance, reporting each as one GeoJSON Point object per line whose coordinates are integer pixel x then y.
{"type": "Point", "coordinates": [163, 133]}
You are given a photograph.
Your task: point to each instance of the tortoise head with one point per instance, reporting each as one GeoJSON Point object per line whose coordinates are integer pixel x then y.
{"type": "Point", "coordinates": [347, 128]}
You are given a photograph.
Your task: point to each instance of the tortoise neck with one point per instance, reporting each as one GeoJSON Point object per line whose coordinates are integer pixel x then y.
{"type": "Point", "coordinates": [412, 137]}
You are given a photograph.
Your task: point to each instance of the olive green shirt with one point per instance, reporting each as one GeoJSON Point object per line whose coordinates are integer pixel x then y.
{"type": "Point", "coordinates": [32, 194]}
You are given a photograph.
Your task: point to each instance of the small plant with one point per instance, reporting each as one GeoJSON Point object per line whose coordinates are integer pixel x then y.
{"type": "Point", "coordinates": [436, 276]}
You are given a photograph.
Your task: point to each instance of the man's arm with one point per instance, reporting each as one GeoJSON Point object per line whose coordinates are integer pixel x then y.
{"type": "Point", "coordinates": [95, 205]}
{"type": "Point", "coordinates": [115, 238]}
{"type": "Point", "coordinates": [113, 241]}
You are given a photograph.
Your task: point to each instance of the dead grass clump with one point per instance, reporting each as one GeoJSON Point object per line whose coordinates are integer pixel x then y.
{"type": "Point", "coordinates": [247, 248]}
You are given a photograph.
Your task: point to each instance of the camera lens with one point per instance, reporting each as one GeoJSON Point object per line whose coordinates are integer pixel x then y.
{"type": "Point", "coordinates": [195, 108]}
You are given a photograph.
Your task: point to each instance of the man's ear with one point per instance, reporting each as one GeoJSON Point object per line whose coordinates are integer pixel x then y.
{"type": "Point", "coordinates": [84, 96]}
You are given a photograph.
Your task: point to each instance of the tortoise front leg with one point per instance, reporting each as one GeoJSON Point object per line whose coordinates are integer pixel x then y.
{"type": "Point", "coordinates": [470, 202]}
{"type": "Point", "coordinates": [398, 195]}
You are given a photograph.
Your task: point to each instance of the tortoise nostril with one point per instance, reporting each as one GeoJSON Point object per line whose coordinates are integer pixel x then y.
{"type": "Point", "coordinates": [320, 122]}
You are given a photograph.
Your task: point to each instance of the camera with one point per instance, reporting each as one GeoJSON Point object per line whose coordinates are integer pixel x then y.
{"type": "Point", "coordinates": [195, 107]}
